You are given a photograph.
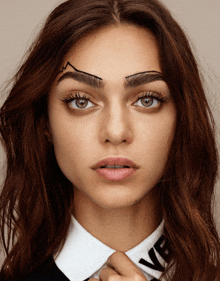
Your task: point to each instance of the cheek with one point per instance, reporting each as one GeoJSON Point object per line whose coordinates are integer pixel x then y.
{"type": "Point", "coordinates": [156, 135]}
{"type": "Point", "coordinates": [72, 142]}
{"type": "Point", "coordinates": [156, 140]}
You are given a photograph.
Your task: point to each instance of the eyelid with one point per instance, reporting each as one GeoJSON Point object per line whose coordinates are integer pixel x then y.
{"type": "Point", "coordinates": [152, 94]}
{"type": "Point", "coordinates": [74, 95]}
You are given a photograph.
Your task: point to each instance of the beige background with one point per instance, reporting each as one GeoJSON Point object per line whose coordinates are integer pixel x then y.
{"type": "Point", "coordinates": [21, 20]}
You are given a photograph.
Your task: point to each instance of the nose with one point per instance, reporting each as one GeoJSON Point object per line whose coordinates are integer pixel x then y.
{"type": "Point", "coordinates": [115, 126]}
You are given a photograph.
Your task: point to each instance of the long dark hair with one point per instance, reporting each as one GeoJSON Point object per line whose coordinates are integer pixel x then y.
{"type": "Point", "coordinates": [35, 203]}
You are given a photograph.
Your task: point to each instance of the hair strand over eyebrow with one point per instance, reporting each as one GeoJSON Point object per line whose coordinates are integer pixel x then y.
{"type": "Point", "coordinates": [145, 72]}
{"type": "Point", "coordinates": [68, 63]}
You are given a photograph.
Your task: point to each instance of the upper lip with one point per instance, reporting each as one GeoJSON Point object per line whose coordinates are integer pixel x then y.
{"type": "Point", "coordinates": [122, 161]}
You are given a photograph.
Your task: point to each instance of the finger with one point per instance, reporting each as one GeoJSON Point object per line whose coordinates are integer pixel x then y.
{"type": "Point", "coordinates": [121, 263]}
{"type": "Point", "coordinates": [93, 279]}
{"type": "Point", "coordinates": [106, 273]}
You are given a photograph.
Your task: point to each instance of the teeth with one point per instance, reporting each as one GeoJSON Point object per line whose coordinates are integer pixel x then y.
{"type": "Point", "coordinates": [115, 166]}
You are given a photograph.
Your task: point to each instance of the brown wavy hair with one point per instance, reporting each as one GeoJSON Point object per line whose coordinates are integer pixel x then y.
{"type": "Point", "coordinates": [35, 203]}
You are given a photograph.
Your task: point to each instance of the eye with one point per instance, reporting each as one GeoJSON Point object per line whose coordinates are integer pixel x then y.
{"type": "Point", "coordinates": [76, 101]}
{"type": "Point", "coordinates": [150, 100]}
{"type": "Point", "coordinates": [81, 103]}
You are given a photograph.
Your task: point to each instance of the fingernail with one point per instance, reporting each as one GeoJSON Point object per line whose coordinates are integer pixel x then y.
{"type": "Point", "coordinates": [108, 261]}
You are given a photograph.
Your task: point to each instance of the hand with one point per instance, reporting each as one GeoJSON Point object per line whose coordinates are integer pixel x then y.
{"type": "Point", "coordinates": [120, 268]}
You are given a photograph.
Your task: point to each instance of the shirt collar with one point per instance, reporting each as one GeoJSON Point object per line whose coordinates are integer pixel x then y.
{"type": "Point", "coordinates": [83, 256]}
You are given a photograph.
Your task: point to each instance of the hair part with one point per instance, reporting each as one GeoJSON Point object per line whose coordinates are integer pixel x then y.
{"type": "Point", "coordinates": [36, 200]}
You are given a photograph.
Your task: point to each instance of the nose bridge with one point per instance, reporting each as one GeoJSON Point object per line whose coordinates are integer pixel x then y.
{"type": "Point", "coordinates": [116, 123]}
{"type": "Point", "coordinates": [116, 114]}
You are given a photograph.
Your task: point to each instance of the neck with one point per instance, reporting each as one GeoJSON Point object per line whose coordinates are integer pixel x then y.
{"type": "Point", "coordinates": [120, 228]}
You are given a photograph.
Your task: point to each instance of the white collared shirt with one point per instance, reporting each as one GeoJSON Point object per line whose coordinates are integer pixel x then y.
{"type": "Point", "coordinates": [83, 256]}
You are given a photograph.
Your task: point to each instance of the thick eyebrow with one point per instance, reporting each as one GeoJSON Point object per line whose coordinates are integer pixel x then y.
{"type": "Point", "coordinates": [141, 78]}
{"type": "Point", "coordinates": [81, 76]}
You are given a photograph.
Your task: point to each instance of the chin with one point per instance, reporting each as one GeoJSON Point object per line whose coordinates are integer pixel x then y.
{"type": "Point", "coordinates": [116, 200]}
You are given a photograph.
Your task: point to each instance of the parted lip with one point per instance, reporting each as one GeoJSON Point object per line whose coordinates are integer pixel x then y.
{"type": "Point", "coordinates": [122, 161]}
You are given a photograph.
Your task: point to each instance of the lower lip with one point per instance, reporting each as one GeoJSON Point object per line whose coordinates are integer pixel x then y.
{"type": "Point", "coordinates": [115, 174]}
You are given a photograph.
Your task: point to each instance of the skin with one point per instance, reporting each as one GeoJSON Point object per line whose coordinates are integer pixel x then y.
{"type": "Point", "coordinates": [114, 124]}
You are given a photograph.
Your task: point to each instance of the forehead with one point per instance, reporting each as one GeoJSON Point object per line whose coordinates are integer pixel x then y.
{"type": "Point", "coordinates": [115, 52]}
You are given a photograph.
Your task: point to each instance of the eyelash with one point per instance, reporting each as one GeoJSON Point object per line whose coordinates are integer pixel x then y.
{"type": "Point", "coordinates": [154, 95]}
{"type": "Point", "coordinates": [75, 96]}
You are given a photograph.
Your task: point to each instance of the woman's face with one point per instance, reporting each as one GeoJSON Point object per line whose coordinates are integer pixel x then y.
{"type": "Point", "coordinates": [111, 101]}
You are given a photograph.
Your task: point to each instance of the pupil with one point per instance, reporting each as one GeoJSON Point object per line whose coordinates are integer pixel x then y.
{"type": "Point", "coordinates": [147, 101]}
{"type": "Point", "coordinates": [81, 103]}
